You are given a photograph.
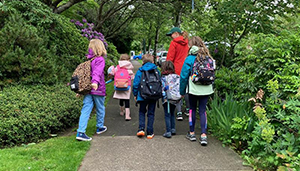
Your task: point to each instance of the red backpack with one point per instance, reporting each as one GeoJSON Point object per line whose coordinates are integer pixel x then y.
{"type": "Point", "coordinates": [122, 79]}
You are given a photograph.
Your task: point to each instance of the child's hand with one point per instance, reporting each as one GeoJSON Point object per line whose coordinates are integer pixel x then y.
{"type": "Point", "coordinates": [135, 98]}
{"type": "Point", "coordinates": [166, 88]}
{"type": "Point", "coordinates": [94, 86]}
{"type": "Point", "coordinates": [78, 95]}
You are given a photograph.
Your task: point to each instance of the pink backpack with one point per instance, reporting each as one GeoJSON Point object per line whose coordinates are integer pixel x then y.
{"type": "Point", "coordinates": [122, 79]}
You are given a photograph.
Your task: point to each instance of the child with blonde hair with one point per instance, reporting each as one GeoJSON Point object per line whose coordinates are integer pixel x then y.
{"type": "Point", "coordinates": [124, 95]}
{"type": "Point", "coordinates": [97, 94]}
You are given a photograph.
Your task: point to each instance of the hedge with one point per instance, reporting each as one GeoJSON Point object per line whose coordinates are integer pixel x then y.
{"type": "Point", "coordinates": [32, 113]}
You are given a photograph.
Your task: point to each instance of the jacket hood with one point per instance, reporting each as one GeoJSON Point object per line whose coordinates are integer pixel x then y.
{"type": "Point", "coordinates": [181, 41]}
{"type": "Point", "coordinates": [90, 55]}
{"type": "Point", "coordinates": [194, 50]}
{"type": "Point", "coordinates": [148, 66]}
{"type": "Point", "coordinates": [126, 64]}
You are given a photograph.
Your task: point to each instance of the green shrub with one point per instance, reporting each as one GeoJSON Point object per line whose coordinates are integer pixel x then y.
{"type": "Point", "coordinates": [36, 45]}
{"type": "Point", "coordinates": [239, 83]}
{"type": "Point", "coordinates": [31, 113]}
{"type": "Point", "coordinates": [228, 117]}
{"type": "Point", "coordinates": [265, 57]}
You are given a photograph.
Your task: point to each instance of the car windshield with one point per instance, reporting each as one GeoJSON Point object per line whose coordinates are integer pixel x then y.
{"type": "Point", "coordinates": [164, 54]}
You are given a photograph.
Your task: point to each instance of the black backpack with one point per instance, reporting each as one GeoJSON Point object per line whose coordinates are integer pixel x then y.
{"type": "Point", "coordinates": [150, 85]}
{"type": "Point", "coordinates": [203, 72]}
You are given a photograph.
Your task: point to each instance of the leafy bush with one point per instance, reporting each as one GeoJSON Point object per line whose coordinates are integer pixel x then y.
{"type": "Point", "coordinates": [265, 57]}
{"type": "Point", "coordinates": [268, 137]}
{"type": "Point", "coordinates": [239, 83]}
{"type": "Point", "coordinates": [36, 45]}
{"type": "Point", "coordinates": [228, 117]}
{"type": "Point", "coordinates": [31, 113]}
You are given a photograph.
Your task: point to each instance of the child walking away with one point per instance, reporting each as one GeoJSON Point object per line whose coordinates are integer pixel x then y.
{"type": "Point", "coordinates": [147, 90]}
{"type": "Point", "coordinates": [122, 76]}
{"type": "Point", "coordinates": [170, 96]}
{"type": "Point", "coordinates": [198, 87]}
{"type": "Point", "coordinates": [97, 94]}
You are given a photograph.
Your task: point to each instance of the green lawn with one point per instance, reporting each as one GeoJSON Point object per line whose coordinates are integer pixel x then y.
{"type": "Point", "coordinates": [60, 153]}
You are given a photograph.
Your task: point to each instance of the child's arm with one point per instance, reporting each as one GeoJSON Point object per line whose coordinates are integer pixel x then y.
{"type": "Point", "coordinates": [171, 52]}
{"type": "Point", "coordinates": [184, 76]}
{"type": "Point", "coordinates": [164, 86]}
{"type": "Point", "coordinates": [136, 83]}
{"type": "Point", "coordinates": [130, 72]}
{"type": "Point", "coordinates": [98, 69]}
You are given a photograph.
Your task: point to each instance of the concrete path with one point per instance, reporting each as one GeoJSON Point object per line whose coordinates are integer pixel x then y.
{"type": "Point", "coordinates": [120, 149]}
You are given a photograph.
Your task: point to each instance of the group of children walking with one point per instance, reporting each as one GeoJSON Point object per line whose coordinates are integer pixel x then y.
{"type": "Point", "coordinates": [171, 89]}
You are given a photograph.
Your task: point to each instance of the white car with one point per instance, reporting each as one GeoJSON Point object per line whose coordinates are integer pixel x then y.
{"type": "Point", "coordinates": [162, 58]}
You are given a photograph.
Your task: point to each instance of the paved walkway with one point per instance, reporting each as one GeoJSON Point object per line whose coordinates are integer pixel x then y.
{"type": "Point", "coordinates": [120, 149]}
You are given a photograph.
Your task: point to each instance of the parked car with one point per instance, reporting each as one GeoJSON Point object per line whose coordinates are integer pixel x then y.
{"type": "Point", "coordinates": [136, 57]}
{"type": "Point", "coordinates": [132, 54]}
{"type": "Point", "coordinates": [157, 56]}
{"type": "Point", "coordinates": [162, 58]}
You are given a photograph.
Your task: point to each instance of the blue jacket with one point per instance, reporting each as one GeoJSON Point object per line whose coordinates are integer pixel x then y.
{"type": "Point", "coordinates": [185, 72]}
{"type": "Point", "coordinates": [137, 79]}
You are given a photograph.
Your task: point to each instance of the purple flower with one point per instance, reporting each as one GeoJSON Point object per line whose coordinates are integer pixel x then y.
{"type": "Point", "coordinates": [88, 32]}
{"type": "Point", "coordinates": [77, 22]}
{"type": "Point", "coordinates": [216, 50]}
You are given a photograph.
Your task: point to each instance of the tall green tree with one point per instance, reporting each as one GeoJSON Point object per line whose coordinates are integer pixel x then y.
{"type": "Point", "coordinates": [238, 18]}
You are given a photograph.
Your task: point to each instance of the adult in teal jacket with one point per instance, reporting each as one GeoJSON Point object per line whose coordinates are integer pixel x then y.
{"type": "Point", "coordinates": [195, 92]}
{"type": "Point", "coordinates": [147, 65]}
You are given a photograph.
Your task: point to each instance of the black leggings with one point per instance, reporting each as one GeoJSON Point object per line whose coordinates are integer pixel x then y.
{"type": "Point", "coordinates": [127, 104]}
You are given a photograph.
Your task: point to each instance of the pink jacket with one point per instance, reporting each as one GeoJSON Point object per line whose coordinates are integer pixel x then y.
{"type": "Point", "coordinates": [124, 94]}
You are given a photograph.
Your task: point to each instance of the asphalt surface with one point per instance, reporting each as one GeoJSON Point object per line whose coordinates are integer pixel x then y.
{"type": "Point", "coordinates": [119, 148]}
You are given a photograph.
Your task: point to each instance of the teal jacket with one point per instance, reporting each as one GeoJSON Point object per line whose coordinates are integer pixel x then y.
{"type": "Point", "coordinates": [194, 89]}
{"type": "Point", "coordinates": [137, 79]}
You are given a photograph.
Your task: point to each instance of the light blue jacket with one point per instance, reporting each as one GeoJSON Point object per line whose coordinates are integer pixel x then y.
{"type": "Point", "coordinates": [137, 79]}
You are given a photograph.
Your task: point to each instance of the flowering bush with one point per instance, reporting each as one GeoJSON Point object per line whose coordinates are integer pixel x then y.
{"type": "Point", "coordinates": [88, 32]}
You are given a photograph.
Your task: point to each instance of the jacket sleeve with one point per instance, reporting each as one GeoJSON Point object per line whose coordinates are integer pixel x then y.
{"type": "Point", "coordinates": [171, 52]}
{"type": "Point", "coordinates": [98, 69]}
{"type": "Point", "coordinates": [136, 82]}
{"type": "Point", "coordinates": [184, 75]}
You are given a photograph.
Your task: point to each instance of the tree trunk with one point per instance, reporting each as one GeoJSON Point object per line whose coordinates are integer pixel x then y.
{"type": "Point", "coordinates": [62, 8]}
{"type": "Point", "coordinates": [178, 12]}
{"type": "Point", "coordinates": [224, 51]}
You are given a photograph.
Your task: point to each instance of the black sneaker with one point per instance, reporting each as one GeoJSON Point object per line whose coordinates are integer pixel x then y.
{"type": "Point", "coordinates": [187, 112]}
{"type": "Point", "coordinates": [191, 137]}
{"type": "Point", "coordinates": [179, 116]}
{"type": "Point", "coordinates": [203, 140]}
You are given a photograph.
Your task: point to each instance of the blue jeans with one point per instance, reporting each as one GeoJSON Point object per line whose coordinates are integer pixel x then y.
{"type": "Point", "coordinates": [150, 114]}
{"type": "Point", "coordinates": [88, 104]}
{"type": "Point", "coordinates": [169, 117]}
{"type": "Point", "coordinates": [193, 100]}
